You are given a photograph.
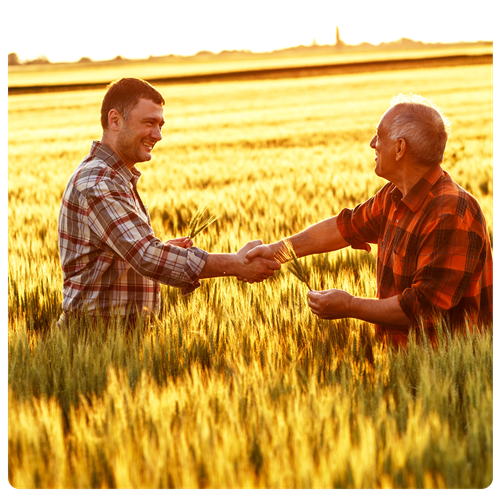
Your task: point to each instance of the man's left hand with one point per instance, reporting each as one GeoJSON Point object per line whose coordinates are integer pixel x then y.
{"type": "Point", "coordinates": [184, 242]}
{"type": "Point", "coordinates": [330, 304]}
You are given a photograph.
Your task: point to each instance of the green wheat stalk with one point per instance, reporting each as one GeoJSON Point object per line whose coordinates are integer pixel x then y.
{"type": "Point", "coordinates": [197, 224]}
{"type": "Point", "coordinates": [287, 254]}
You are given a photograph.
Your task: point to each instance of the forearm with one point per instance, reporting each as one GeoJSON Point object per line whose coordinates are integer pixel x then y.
{"type": "Point", "coordinates": [317, 239]}
{"type": "Point", "coordinates": [218, 265]}
{"type": "Point", "coordinates": [384, 312]}
{"type": "Point", "coordinates": [256, 270]}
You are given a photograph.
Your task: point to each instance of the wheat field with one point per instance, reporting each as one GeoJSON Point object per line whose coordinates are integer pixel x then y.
{"type": "Point", "coordinates": [238, 385]}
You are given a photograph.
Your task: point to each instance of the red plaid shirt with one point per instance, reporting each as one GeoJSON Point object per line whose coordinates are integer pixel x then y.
{"type": "Point", "coordinates": [111, 260]}
{"type": "Point", "coordinates": [434, 251]}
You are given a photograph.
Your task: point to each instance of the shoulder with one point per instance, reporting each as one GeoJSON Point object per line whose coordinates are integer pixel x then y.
{"type": "Point", "coordinates": [380, 197]}
{"type": "Point", "coordinates": [454, 207]}
{"type": "Point", "coordinates": [91, 172]}
{"type": "Point", "coordinates": [449, 198]}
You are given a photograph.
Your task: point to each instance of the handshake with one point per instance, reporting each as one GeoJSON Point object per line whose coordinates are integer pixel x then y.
{"type": "Point", "coordinates": [253, 263]}
{"type": "Point", "coordinates": [259, 262]}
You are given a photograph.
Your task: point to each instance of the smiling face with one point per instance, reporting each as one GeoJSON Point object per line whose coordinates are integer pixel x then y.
{"type": "Point", "coordinates": [138, 134]}
{"type": "Point", "coordinates": [385, 163]}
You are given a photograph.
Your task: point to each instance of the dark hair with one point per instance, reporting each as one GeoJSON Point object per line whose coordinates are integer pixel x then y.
{"type": "Point", "coordinates": [124, 94]}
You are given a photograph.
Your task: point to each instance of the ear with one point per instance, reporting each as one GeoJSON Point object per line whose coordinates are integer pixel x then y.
{"type": "Point", "coordinates": [114, 119]}
{"type": "Point", "coordinates": [400, 148]}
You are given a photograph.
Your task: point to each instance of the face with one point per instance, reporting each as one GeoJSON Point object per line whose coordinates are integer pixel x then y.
{"type": "Point", "coordinates": [385, 164]}
{"type": "Point", "coordinates": [139, 134]}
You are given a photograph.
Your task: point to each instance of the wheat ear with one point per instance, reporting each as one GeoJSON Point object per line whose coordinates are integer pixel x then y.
{"type": "Point", "coordinates": [287, 254]}
{"type": "Point", "coordinates": [197, 225]}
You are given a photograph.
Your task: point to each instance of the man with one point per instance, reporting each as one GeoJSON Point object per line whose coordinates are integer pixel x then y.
{"type": "Point", "coordinates": [434, 253]}
{"type": "Point", "coordinates": [111, 260]}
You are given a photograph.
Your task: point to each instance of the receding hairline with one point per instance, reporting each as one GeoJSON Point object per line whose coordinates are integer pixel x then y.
{"type": "Point", "coordinates": [412, 101]}
{"type": "Point", "coordinates": [386, 116]}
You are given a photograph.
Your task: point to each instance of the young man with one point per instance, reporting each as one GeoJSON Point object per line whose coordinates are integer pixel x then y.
{"type": "Point", "coordinates": [434, 253]}
{"type": "Point", "coordinates": [111, 260]}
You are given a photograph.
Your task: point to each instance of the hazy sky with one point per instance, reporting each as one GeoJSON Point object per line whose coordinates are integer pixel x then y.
{"type": "Point", "coordinates": [103, 29]}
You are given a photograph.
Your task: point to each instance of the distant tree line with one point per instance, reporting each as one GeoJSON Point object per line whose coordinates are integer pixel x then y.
{"type": "Point", "coordinates": [41, 59]}
{"type": "Point", "coordinates": [14, 60]}
{"type": "Point", "coordinates": [339, 44]}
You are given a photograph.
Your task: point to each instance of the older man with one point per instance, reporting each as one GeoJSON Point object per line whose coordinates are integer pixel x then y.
{"type": "Point", "coordinates": [112, 262]}
{"type": "Point", "coordinates": [434, 253]}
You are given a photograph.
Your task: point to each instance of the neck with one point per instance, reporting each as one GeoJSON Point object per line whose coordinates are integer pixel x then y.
{"type": "Point", "coordinates": [108, 141]}
{"type": "Point", "coordinates": [408, 176]}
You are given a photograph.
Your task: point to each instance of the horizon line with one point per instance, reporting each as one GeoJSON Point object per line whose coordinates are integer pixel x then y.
{"type": "Point", "coordinates": [44, 59]}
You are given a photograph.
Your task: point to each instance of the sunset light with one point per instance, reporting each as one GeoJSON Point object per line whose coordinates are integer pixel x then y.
{"type": "Point", "coordinates": [250, 245]}
{"type": "Point", "coordinates": [67, 34]}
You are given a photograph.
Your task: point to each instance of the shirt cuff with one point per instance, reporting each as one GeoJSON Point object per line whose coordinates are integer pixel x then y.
{"type": "Point", "coordinates": [196, 261]}
{"type": "Point", "coordinates": [190, 289]}
{"type": "Point", "coordinates": [344, 224]}
{"type": "Point", "coordinates": [410, 303]}
{"type": "Point", "coordinates": [416, 306]}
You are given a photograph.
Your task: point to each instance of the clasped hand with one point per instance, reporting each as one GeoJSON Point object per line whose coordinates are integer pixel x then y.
{"type": "Point", "coordinates": [259, 268]}
{"type": "Point", "coordinates": [257, 263]}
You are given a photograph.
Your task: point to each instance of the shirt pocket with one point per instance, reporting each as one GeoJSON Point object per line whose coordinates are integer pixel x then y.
{"type": "Point", "coordinates": [404, 267]}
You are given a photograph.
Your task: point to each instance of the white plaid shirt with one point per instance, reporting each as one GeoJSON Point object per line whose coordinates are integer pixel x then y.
{"type": "Point", "coordinates": [111, 260]}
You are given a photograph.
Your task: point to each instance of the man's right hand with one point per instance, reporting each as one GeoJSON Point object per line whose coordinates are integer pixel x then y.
{"type": "Point", "coordinates": [263, 251]}
{"type": "Point", "coordinates": [256, 270]}
{"type": "Point", "coordinates": [257, 267]}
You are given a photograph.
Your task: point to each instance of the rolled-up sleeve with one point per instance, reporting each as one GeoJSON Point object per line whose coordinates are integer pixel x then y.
{"type": "Point", "coordinates": [114, 221]}
{"type": "Point", "coordinates": [363, 224]}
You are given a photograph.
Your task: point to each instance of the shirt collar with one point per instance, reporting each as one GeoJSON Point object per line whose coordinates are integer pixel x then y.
{"type": "Point", "coordinates": [420, 191]}
{"type": "Point", "coordinates": [114, 161]}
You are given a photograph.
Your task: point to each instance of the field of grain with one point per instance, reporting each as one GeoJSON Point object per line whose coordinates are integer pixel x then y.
{"type": "Point", "coordinates": [240, 386]}
{"type": "Point", "coordinates": [161, 67]}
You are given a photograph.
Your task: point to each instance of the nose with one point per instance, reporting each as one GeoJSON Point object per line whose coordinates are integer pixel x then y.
{"type": "Point", "coordinates": [157, 133]}
{"type": "Point", "coordinates": [373, 143]}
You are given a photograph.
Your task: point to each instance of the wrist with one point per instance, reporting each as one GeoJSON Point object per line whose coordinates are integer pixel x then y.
{"type": "Point", "coordinates": [353, 307]}
{"type": "Point", "coordinates": [233, 264]}
{"type": "Point", "coordinates": [220, 265]}
{"type": "Point", "coordinates": [280, 251]}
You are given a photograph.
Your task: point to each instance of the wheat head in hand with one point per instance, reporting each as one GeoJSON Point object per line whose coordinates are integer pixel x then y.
{"type": "Point", "coordinates": [288, 254]}
{"type": "Point", "coordinates": [197, 225]}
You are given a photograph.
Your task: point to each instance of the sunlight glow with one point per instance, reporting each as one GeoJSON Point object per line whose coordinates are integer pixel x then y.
{"type": "Point", "coordinates": [67, 34]}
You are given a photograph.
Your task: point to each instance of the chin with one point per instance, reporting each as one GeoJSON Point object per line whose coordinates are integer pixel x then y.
{"type": "Point", "coordinates": [144, 158]}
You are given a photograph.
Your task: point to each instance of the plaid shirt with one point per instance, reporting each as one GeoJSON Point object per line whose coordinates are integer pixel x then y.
{"type": "Point", "coordinates": [111, 260]}
{"type": "Point", "coordinates": [434, 251]}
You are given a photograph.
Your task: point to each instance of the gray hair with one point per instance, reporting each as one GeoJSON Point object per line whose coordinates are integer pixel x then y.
{"type": "Point", "coordinates": [422, 125]}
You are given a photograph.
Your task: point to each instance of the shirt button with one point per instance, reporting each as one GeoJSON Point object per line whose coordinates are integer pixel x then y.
{"type": "Point", "coordinates": [397, 220]}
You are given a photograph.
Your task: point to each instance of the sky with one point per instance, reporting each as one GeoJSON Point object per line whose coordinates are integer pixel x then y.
{"type": "Point", "coordinates": [103, 29]}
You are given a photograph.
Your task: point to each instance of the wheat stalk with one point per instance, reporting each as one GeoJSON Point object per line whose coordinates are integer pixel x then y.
{"type": "Point", "coordinates": [197, 225]}
{"type": "Point", "coordinates": [287, 254]}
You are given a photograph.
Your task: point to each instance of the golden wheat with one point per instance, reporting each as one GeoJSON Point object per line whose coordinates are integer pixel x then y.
{"type": "Point", "coordinates": [240, 386]}
{"type": "Point", "coordinates": [197, 225]}
{"type": "Point", "coordinates": [288, 254]}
